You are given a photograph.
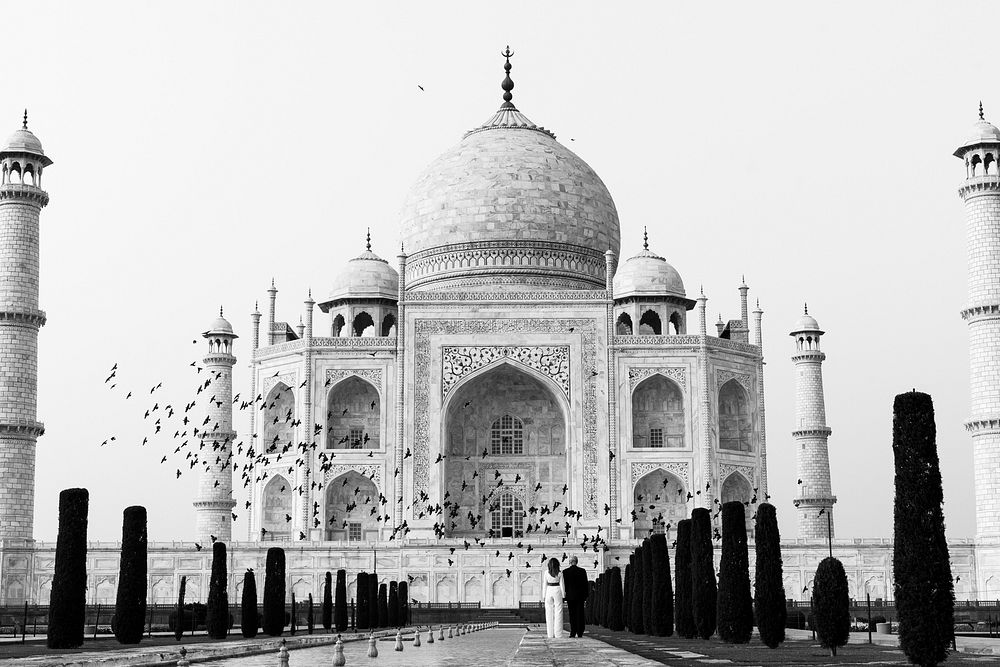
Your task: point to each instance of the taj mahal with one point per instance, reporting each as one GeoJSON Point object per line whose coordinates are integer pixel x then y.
{"type": "Point", "coordinates": [512, 379]}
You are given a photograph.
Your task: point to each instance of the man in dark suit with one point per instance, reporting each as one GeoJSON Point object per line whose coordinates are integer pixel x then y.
{"type": "Point", "coordinates": [577, 590]}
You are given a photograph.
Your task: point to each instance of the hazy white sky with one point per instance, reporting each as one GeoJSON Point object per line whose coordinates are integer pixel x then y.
{"type": "Point", "coordinates": [202, 148]}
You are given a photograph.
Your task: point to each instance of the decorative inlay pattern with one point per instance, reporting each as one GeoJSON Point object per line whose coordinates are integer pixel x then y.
{"type": "Point", "coordinates": [372, 472]}
{"type": "Point", "coordinates": [681, 469]}
{"type": "Point", "coordinates": [676, 373]}
{"type": "Point", "coordinates": [425, 328]}
{"type": "Point", "coordinates": [373, 375]}
{"type": "Point", "coordinates": [723, 376]}
{"type": "Point", "coordinates": [551, 361]}
{"type": "Point", "coordinates": [727, 469]}
{"type": "Point", "coordinates": [356, 341]}
{"type": "Point", "coordinates": [288, 379]}
{"type": "Point", "coordinates": [531, 297]}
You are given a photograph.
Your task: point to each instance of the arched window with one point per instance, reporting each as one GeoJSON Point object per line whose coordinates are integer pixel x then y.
{"type": "Point", "coordinates": [657, 413]}
{"type": "Point", "coordinates": [624, 325]}
{"type": "Point", "coordinates": [362, 323]}
{"type": "Point", "coordinates": [659, 501]}
{"type": "Point", "coordinates": [337, 328]}
{"type": "Point", "coordinates": [279, 414]}
{"type": "Point", "coordinates": [735, 425]}
{"type": "Point", "coordinates": [388, 324]}
{"type": "Point", "coordinates": [976, 161]}
{"type": "Point", "coordinates": [275, 523]}
{"type": "Point", "coordinates": [353, 412]}
{"type": "Point", "coordinates": [676, 325]}
{"type": "Point", "coordinates": [507, 436]}
{"type": "Point", "coordinates": [650, 323]}
{"type": "Point", "coordinates": [507, 517]}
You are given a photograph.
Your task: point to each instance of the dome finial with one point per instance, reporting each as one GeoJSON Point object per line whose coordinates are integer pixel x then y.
{"type": "Point", "coordinates": [645, 238]}
{"type": "Point", "coordinates": [368, 240]}
{"type": "Point", "coordinates": [508, 83]}
{"type": "Point", "coordinates": [980, 111]}
{"type": "Point", "coordinates": [220, 311]}
{"type": "Point", "coordinates": [24, 124]}
{"type": "Point", "coordinates": [805, 308]}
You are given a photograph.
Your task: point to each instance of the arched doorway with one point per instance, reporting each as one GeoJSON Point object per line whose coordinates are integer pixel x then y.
{"type": "Point", "coordinates": [505, 443]}
{"type": "Point", "coordinates": [659, 500]}
{"type": "Point", "coordinates": [657, 414]}
{"type": "Point", "coordinates": [277, 497]}
{"type": "Point", "coordinates": [735, 423]}
{"type": "Point", "coordinates": [279, 414]}
{"type": "Point", "coordinates": [737, 488]}
{"type": "Point", "coordinates": [353, 409]}
{"type": "Point", "coordinates": [353, 508]}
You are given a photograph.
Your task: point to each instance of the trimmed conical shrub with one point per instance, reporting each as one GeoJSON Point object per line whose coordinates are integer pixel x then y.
{"type": "Point", "coordinates": [249, 622]}
{"type": "Point", "coordinates": [217, 620]}
{"type": "Point", "coordinates": [363, 613]}
{"type": "Point", "coordinates": [327, 613]}
{"type": "Point", "coordinates": [832, 604]}
{"type": "Point", "coordinates": [683, 614]}
{"type": "Point", "coordinates": [647, 589]}
{"type": "Point", "coordinates": [703, 584]}
{"type": "Point", "coordinates": [734, 605]}
{"type": "Point", "coordinates": [615, 620]}
{"type": "Point", "coordinates": [309, 616]}
{"type": "Point", "coordinates": [340, 610]}
{"type": "Point", "coordinates": [925, 595]}
{"type": "Point", "coordinates": [274, 592]}
{"type": "Point", "coordinates": [373, 601]}
{"type": "Point", "coordinates": [627, 592]}
{"type": "Point", "coordinates": [68, 599]}
{"type": "Point", "coordinates": [383, 606]}
{"type": "Point", "coordinates": [404, 603]}
{"type": "Point", "coordinates": [179, 623]}
{"type": "Point", "coordinates": [662, 604]}
{"type": "Point", "coordinates": [769, 588]}
{"type": "Point", "coordinates": [130, 603]}
{"type": "Point", "coordinates": [638, 584]}
{"type": "Point", "coordinates": [392, 614]}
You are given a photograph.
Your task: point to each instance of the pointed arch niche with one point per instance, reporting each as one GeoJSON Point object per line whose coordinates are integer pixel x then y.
{"type": "Point", "coordinates": [279, 414]}
{"type": "Point", "coordinates": [503, 400]}
{"type": "Point", "coordinates": [350, 499]}
{"type": "Point", "coordinates": [353, 411]}
{"type": "Point", "coordinates": [735, 419]}
{"type": "Point", "coordinates": [277, 504]}
{"type": "Point", "coordinates": [737, 488]}
{"type": "Point", "coordinates": [659, 499]}
{"type": "Point", "coordinates": [658, 414]}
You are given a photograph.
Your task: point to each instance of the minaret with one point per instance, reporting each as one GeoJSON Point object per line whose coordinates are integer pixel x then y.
{"type": "Point", "coordinates": [215, 482]}
{"type": "Point", "coordinates": [21, 200]}
{"type": "Point", "coordinates": [272, 294]}
{"type": "Point", "coordinates": [814, 499]}
{"type": "Point", "coordinates": [981, 192]}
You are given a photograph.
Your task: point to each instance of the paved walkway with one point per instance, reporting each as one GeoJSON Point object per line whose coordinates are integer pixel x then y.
{"type": "Point", "coordinates": [537, 650]}
{"type": "Point", "coordinates": [976, 645]}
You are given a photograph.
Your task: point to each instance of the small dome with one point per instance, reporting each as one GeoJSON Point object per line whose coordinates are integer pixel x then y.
{"type": "Point", "coordinates": [806, 323]}
{"type": "Point", "coordinates": [647, 274]}
{"type": "Point", "coordinates": [220, 326]}
{"type": "Point", "coordinates": [367, 276]}
{"type": "Point", "coordinates": [983, 132]}
{"type": "Point", "coordinates": [23, 141]}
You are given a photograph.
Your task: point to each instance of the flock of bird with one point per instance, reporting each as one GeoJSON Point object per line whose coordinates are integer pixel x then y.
{"type": "Point", "coordinates": [200, 443]}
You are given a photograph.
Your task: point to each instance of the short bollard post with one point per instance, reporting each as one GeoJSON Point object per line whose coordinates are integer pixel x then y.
{"type": "Point", "coordinates": [449, 632]}
{"type": "Point", "coordinates": [430, 634]}
{"type": "Point", "coordinates": [183, 662]}
{"type": "Point", "coordinates": [372, 649]}
{"type": "Point", "coordinates": [338, 654]}
{"type": "Point", "coordinates": [283, 655]}
{"type": "Point", "coordinates": [399, 641]}
{"type": "Point", "coordinates": [441, 634]}
{"type": "Point", "coordinates": [416, 637]}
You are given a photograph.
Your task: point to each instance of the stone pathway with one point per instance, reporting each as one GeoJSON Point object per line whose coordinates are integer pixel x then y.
{"type": "Point", "coordinates": [538, 650]}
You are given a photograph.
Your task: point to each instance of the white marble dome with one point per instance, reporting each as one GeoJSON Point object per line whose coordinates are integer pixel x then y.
{"type": "Point", "coordinates": [220, 325]}
{"type": "Point", "coordinates": [806, 323]}
{"type": "Point", "coordinates": [647, 274]}
{"type": "Point", "coordinates": [366, 277]}
{"type": "Point", "coordinates": [508, 206]}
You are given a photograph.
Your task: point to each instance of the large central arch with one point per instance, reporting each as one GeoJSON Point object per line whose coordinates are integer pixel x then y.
{"type": "Point", "coordinates": [507, 419]}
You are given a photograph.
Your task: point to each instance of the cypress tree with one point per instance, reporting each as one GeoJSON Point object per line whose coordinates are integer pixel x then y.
{"type": "Point", "coordinates": [734, 605]}
{"type": "Point", "coordinates": [217, 620]}
{"type": "Point", "coordinates": [662, 618]}
{"type": "Point", "coordinates": [130, 604]}
{"type": "Point", "coordinates": [404, 603]}
{"type": "Point", "coordinates": [638, 583]}
{"type": "Point", "coordinates": [627, 592]}
{"type": "Point", "coordinates": [647, 589]}
{"type": "Point", "coordinates": [340, 610]}
{"type": "Point", "coordinates": [248, 618]}
{"type": "Point", "coordinates": [683, 612]}
{"type": "Point", "coordinates": [392, 614]}
{"type": "Point", "coordinates": [383, 606]}
{"type": "Point", "coordinates": [362, 614]}
{"type": "Point", "coordinates": [68, 599]}
{"type": "Point", "coordinates": [925, 595]}
{"type": "Point", "coordinates": [293, 626]}
{"type": "Point", "coordinates": [309, 616]}
{"type": "Point", "coordinates": [703, 584]}
{"type": "Point", "coordinates": [373, 601]}
{"type": "Point", "coordinates": [615, 620]}
{"type": "Point", "coordinates": [602, 608]}
{"type": "Point", "coordinates": [327, 615]}
{"type": "Point", "coordinates": [274, 592]}
{"type": "Point", "coordinates": [832, 601]}
{"type": "Point", "coordinates": [588, 605]}
{"type": "Point", "coordinates": [769, 588]}
{"type": "Point", "coordinates": [179, 623]}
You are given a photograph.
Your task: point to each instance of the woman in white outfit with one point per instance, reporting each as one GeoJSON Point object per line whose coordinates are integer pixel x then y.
{"type": "Point", "coordinates": [555, 592]}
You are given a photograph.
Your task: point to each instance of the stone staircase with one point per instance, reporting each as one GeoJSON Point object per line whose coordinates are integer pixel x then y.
{"type": "Point", "coordinates": [504, 617]}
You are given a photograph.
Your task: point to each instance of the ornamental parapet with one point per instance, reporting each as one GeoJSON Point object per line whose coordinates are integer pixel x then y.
{"type": "Point", "coordinates": [220, 358]}
{"type": "Point", "coordinates": [809, 355]}
{"type": "Point", "coordinates": [818, 501]}
{"type": "Point", "coordinates": [684, 340]}
{"type": "Point", "coordinates": [24, 194]}
{"type": "Point", "coordinates": [539, 297]}
{"type": "Point", "coordinates": [358, 343]}
{"type": "Point", "coordinates": [21, 427]}
{"type": "Point", "coordinates": [982, 311]}
{"type": "Point", "coordinates": [28, 316]}
{"type": "Point", "coordinates": [218, 504]}
{"type": "Point", "coordinates": [979, 185]}
{"type": "Point", "coordinates": [221, 436]}
{"type": "Point", "coordinates": [823, 431]}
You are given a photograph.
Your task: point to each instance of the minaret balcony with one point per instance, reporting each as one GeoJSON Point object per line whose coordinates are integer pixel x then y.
{"type": "Point", "coordinates": [27, 427]}
{"type": "Point", "coordinates": [22, 192]}
{"type": "Point", "coordinates": [979, 185]}
{"type": "Point", "coordinates": [817, 432]}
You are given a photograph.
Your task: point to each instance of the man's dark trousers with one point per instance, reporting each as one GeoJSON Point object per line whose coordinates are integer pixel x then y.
{"type": "Point", "coordinates": [577, 590]}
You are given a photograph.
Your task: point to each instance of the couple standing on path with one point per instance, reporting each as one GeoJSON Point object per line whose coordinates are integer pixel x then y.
{"type": "Point", "coordinates": [571, 585]}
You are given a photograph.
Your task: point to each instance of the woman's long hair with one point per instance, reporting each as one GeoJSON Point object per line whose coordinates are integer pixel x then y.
{"type": "Point", "coordinates": [553, 567]}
